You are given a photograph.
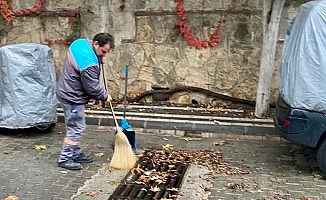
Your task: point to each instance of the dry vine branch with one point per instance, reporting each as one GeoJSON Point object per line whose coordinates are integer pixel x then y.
{"type": "Point", "coordinates": [193, 89]}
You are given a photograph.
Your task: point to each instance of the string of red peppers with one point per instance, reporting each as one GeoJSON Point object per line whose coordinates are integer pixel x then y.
{"type": "Point", "coordinates": [187, 32]}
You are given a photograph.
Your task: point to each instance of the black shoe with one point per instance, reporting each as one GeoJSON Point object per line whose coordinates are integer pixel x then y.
{"type": "Point", "coordinates": [70, 165]}
{"type": "Point", "coordinates": [83, 159]}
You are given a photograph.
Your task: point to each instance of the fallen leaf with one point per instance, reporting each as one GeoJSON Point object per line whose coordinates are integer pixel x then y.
{"type": "Point", "coordinates": [167, 147]}
{"type": "Point", "coordinates": [147, 173]}
{"type": "Point", "coordinates": [158, 181]}
{"type": "Point", "coordinates": [12, 198]}
{"type": "Point", "coordinates": [319, 177]}
{"type": "Point", "coordinates": [115, 182]}
{"type": "Point", "coordinates": [137, 170]}
{"type": "Point", "coordinates": [173, 189]}
{"type": "Point", "coordinates": [98, 155]}
{"type": "Point", "coordinates": [236, 186]}
{"type": "Point", "coordinates": [155, 189]}
{"type": "Point", "coordinates": [93, 194]}
{"type": "Point", "coordinates": [187, 139]}
{"type": "Point", "coordinates": [259, 191]}
{"type": "Point", "coordinates": [6, 152]}
{"type": "Point", "coordinates": [40, 147]}
{"type": "Point", "coordinates": [219, 143]}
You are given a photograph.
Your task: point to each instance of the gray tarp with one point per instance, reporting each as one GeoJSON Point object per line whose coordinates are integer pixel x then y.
{"type": "Point", "coordinates": [302, 76]}
{"type": "Point", "coordinates": [27, 86]}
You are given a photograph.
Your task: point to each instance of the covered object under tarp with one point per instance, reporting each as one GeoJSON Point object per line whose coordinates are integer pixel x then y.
{"type": "Point", "coordinates": [27, 86]}
{"type": "Point", "coordinates": [302, 75]}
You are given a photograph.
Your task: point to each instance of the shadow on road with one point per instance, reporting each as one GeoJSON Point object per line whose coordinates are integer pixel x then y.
{"type": "Point", "coordinates": [20, 133]}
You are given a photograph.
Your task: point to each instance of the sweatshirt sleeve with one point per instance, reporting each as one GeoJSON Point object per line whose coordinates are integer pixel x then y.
{"type": "Point", "coordinates": [91, 84]}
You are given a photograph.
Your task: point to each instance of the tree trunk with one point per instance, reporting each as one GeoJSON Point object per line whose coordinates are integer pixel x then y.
{"type": "Point", "coordinates": [271, 19]}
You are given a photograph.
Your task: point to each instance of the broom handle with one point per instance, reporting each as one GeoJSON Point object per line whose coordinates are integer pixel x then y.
{"type": "Point", "coordinates": [103, 77]}
{"type": "Point", "coordinates": [104, 82]}
{"type": "Point", "coordinates": [115, 120]}
{"type": "Point", "coordinates": [125, 97]}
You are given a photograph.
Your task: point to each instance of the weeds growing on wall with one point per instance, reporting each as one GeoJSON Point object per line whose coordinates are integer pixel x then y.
{"type": "Point", "coordinates": [76, 24]}
{"type": "Point", "coordinates": [294, 2]}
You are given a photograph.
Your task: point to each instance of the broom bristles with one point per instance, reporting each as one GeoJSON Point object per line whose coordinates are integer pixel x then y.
{"type": "Point", "coordinates": [123, 156]}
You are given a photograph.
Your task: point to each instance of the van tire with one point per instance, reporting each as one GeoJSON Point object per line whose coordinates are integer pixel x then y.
{"type": "Point", "coordinates": [321, 156]}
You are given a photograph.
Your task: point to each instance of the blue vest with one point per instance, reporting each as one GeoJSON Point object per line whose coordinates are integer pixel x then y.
{"type": "Point", "coordinates": [83, 54]}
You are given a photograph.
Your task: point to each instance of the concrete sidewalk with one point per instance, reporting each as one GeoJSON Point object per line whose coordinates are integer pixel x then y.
{"type": "Point", "coordinates": [278, 169]}
{"type": "Point", "coordinates": [183, 120]}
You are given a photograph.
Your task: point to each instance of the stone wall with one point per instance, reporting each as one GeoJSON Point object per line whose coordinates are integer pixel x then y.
{"type": "Point", "coordinates": [148, 41]}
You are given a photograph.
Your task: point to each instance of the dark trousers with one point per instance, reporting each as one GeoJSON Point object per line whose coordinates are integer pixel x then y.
{"type": "Point", "coordinates": [75, 127]}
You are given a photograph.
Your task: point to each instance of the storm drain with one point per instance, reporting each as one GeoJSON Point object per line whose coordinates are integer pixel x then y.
{"type": "Point", "coordinates": [152, 179]}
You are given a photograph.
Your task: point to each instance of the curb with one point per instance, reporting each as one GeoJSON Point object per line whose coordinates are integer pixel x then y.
{"type": "Point", "coordinates": [188, 123]}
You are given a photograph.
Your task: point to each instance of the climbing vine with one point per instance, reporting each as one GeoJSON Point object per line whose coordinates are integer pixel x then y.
{"type": "Point", "coordinates": [186, 32]}
{"type": "Point", "coordinates": [9, 15]}
{"type": "Point", "coordinates": [75, 22]}
{"type": "Point", "coordinates": [74, 19]}
{"type": "Point", "coordinates": [6, 11]}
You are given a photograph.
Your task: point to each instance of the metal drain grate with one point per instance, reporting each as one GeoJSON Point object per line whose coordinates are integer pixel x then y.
{"type": "Point", "coordinates": [151, 180]}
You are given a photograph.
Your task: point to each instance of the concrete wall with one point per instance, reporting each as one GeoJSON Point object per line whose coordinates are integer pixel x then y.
{"type": "Point", "coordinates": [148, 40]}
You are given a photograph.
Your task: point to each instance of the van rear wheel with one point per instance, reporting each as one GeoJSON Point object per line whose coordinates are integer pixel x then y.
{"type": "Point", "coordinates": [321, 156]}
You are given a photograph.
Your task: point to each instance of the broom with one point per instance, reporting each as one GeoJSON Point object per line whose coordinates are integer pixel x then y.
{"type": "Point", "coordinates": [123, 156]}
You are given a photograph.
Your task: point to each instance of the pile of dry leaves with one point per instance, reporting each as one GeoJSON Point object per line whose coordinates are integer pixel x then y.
{"type": "Point", "coordinates": [167, 156]}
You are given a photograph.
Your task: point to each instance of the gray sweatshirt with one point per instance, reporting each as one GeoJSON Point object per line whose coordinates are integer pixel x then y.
{"type": "Point", "coordinates": [76, 87]}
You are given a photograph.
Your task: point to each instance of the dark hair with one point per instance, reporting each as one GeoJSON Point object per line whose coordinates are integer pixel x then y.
{"type": "Point", "coordinates": [103, 39]}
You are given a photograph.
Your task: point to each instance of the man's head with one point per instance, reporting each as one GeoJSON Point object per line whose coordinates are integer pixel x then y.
{"type": "Point", "coordinates": [103, 43]}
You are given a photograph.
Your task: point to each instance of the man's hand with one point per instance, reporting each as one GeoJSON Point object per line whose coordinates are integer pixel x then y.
{"type": "Point", "coordinates": [103, 59]}
{"type": "Point", "coordinates": [109, 98]}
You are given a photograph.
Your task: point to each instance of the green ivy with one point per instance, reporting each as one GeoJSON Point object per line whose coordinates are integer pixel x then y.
{"type": "Point", "coordinates": [294, 2]}
{"type": "Point", "coordinates": [75, 29]}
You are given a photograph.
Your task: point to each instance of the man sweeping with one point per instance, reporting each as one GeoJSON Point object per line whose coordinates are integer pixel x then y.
{"type": "Point", "coordinates": [77, 84]}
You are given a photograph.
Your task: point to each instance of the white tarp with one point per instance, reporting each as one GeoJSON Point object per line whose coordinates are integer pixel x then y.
{"type": "Point", "coordinates": [302, 76]}
{"type": "Point", "coordinates": [27, 86]}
